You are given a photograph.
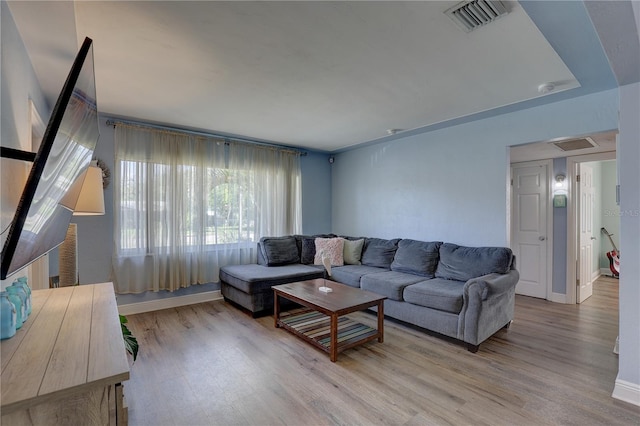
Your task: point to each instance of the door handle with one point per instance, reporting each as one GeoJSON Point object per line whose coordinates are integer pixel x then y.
{"type": "Point", "coordinates": [593, 238]}
{"type": "Point", "coordinates": [541, 238]}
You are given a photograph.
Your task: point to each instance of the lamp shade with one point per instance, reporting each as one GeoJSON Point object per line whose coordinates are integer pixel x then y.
{"type": "Point", "coordinates": [91, 199]}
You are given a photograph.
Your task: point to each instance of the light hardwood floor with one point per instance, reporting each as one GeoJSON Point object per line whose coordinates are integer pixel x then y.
{"type": "Point", "coordinates": [212, 364]}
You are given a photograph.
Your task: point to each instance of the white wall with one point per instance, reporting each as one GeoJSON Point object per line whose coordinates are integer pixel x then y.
{"type": "Point", "coordinates": [451, 184]}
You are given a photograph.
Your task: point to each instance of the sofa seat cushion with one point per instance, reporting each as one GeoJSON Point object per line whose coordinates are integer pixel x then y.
{"type": "Point", "coordinates": [390, 284]}
{"type": "Point", "coordinates": [437, 293]}
{"type": "Point", "coordinates": [255, 278]}
{"type": "Point", "coordinates": [463, 263]}
{"type": "Point", "coordinates": [351, 274]}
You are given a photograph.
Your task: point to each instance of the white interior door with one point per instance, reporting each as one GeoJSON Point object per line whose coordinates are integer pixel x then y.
{"type": "Point", "coordinates": [586, 237]}
{"type": "Point", "coordinates": [530, 194]}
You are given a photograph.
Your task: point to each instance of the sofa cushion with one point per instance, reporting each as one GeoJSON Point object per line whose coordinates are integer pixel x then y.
{"type": "Point", "coordinates": [333, 248]}
{"type": "Point", "coordinates": [463, 263]}
{"type": "Point", "coordinates": [353, 251]}
{"type": "Point", "coordinates": [441, 294]}
{"type": "Point", "coordinates": [378, 252]}
{"type": "Point", "coordinates": [416, 257]}
{"type": "Point", "coordinates": [308, 251]}
{"type": "Point", "coordinates": [389, 283]}
{"type": "Point", "coordinates": [255, 278]}
{"type": "Point", "coordinates": [279, 251]}
{"type": "Point", "coordinates": [351, 274]}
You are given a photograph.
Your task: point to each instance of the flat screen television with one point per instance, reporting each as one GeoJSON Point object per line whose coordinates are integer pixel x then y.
{"type": "Point", "coordinates": [46, 206]}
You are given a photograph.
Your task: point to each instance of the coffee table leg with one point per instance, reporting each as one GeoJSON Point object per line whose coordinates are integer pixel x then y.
{"type": "Point", "coordinates": [381, 321]}
{"type": "Point", "coordinates": [276, 309]}
{"type": "Point", "coordinates": [334, 338]}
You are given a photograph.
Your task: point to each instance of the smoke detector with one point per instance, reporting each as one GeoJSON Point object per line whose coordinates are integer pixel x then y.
{"type": "Point", "coordinates": [546, 88]}
{"type": "Point", "coordinates": [470, 15]}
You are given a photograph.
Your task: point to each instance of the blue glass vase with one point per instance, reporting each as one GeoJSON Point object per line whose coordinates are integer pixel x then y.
{"type": "Point", "coordinates": [22, 283]}
{"type": "Point", "coordinates": [7, 316]}
{"type": "Point", "coordinates": [16, 296]}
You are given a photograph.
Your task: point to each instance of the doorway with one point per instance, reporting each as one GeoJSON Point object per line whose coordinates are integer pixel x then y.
{"type": "Point", "coordinates": [594, 179]}
{"type": "Point", "coordinates": [562, 239]}
{"type": "Point", "coordinates": [531, 231]}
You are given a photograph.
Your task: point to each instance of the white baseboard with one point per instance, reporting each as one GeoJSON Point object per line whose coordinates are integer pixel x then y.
{"type": "Point", "coordinates": [169, 302]}
{"type": "Point", "coordinates": [558, 298]}
{"type": "Point", "coordinates": [627, 392]}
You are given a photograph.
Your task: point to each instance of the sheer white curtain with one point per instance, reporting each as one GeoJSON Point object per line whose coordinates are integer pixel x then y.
{"type": "Point", "coordinates": [185, 205]}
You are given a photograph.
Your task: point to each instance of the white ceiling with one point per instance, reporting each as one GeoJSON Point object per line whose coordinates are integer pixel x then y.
{"type": "Point", "coordinates": [604, 142]}
{"type": "Point", "coordinates": [317, 75]}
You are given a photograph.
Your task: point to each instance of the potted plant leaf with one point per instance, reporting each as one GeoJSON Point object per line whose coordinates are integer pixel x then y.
{"type": "Point", "coordinates": [130, 342]}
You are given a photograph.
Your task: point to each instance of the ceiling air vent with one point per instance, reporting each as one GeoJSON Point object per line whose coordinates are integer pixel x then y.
{"type": "Point", "coordinates": [470, 15]}
{"type": "Point", "coordinates": [574, 144]}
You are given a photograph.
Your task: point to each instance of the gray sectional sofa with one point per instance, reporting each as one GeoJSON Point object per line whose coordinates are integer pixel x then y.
{"type": "Point", "coordinates": [466, 293]}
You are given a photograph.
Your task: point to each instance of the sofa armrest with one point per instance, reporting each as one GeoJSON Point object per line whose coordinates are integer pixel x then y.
{"type": "Point", "coordinates": [261, 259]}
{"type": "Point", "coordinates": [488, 305]}
{"type": "Point", "coordinates": [491, 284]}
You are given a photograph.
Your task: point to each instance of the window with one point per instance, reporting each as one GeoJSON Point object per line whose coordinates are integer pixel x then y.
{"type": "Point", "coordinates": [186, 205]}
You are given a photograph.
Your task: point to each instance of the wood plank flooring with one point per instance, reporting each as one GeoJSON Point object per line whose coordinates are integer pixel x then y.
{"type": "Point", "coordinates": [211, 364]}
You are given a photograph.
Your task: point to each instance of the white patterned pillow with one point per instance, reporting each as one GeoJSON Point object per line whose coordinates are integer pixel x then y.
{"type": "Point", "coordinates": [330, 247]}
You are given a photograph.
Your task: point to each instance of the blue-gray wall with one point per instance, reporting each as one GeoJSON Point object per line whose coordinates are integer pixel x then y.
{"type": "Point", "coordinates": [452, 184]}
{"type": "Point", "coordinates": [316, 193]}
{"type": "Point", "coordinates": [628, 156]}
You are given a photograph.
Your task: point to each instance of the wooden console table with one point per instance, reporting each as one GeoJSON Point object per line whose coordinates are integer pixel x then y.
{"type": "Point", "coordinates": [67, 363]}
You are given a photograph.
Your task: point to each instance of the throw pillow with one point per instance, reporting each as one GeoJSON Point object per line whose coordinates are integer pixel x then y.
{"type": "Point", "coordinates": [308, 253]}
{"type": "Point", "coordinates": [353, 251]}
{"type": "Point", "coordinates": [279, 251]}
{"type": "Point", "coordinates": [333, 248]}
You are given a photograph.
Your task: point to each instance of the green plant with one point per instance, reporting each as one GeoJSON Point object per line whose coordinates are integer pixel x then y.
{"type": "Point", "coordinates": [130, 342]}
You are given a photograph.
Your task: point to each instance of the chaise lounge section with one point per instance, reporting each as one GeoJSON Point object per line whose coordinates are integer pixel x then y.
{"type": "Point", "coordinates": [466, 293]}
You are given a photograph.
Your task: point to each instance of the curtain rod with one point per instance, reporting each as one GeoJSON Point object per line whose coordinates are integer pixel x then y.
{"type": "Point", "coordinates": [227, 139]}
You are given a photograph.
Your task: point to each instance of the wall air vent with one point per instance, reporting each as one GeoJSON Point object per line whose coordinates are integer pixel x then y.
{"type": "Point", "coordinates": [470, 15]}
{"type": "Point", "coordinates": [574, 144]}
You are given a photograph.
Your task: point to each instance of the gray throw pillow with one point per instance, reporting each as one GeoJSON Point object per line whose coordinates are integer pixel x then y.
{"type": "Point", "coordinates": [416, 257]}
{"type": "Point", "coordinates": [463, 263]}
{"type": "Point", "coordinates": [279, 251]}
{"type": "Point", "coordinates": [378, 252]}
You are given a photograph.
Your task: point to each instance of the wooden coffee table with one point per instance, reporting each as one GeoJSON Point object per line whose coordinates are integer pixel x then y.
{"type": "Point", "coordinates": [321, 322]}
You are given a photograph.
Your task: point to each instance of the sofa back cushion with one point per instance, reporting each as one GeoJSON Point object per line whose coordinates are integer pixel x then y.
{"type": "Point", "coordinates": [278, 251]}
{"type": "Point", "coordinates": [378, 252]}
{"type": "Point", "coordinates": [417, 257]}
{"type": "Point", "coordinates": [463, 263]}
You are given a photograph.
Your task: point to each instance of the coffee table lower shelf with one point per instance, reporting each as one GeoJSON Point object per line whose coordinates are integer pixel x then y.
{"type": "Point", "coordinates": [315, 328]}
